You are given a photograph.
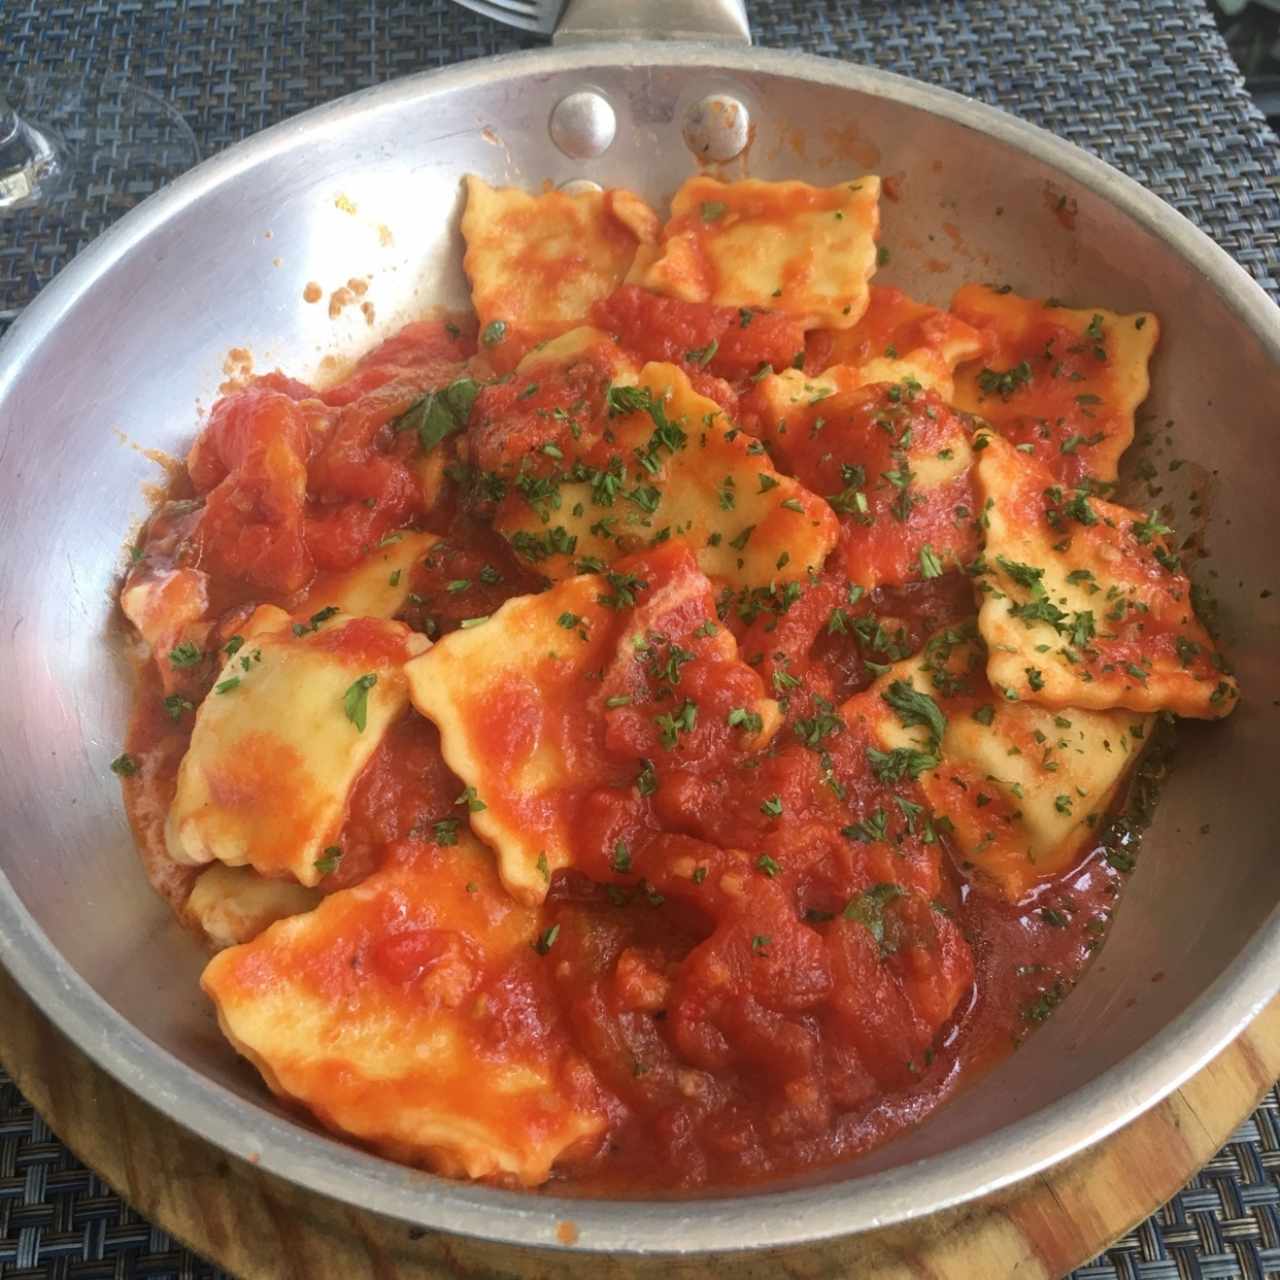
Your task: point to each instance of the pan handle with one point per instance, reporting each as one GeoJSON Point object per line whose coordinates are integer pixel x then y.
{"type": "Point", "coordinates": [721, 21]}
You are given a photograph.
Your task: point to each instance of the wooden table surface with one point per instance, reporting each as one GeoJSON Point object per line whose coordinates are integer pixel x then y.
{"type": "Point", "coordinates": [261, 1228]}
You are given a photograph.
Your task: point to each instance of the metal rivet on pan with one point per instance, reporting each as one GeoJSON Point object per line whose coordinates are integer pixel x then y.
{"type": "Point", "coordinates": [716, 128]}
{"type": "Point", "coordinates": [583, 125]}
{"type": "Point", "coordinates": [576, 186]}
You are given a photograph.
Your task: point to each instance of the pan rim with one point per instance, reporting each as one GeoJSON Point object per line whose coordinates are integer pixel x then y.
{"type": "Point", "coordinates": [725, 1224]}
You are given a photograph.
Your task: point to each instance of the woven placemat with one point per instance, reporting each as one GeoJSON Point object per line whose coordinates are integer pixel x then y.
{"type": "Point", "coordinates": [1146, 84]}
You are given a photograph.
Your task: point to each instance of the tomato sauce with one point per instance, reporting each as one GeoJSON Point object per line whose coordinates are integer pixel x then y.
{"type": "Point", "coordinates": [772, 982]}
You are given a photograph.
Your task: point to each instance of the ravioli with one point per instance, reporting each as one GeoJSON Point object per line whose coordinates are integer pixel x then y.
{"type": "Point", "coordinates": [1064, 382]}
{"type": "Point", "coordinates": [537, 264]}
{"type": "Point", "coordinates": [378, 586]}
{"type": "Point", "coordinates": [565, 692]}
{"type": "Point", "coordinates": [415, 1013]}
{"type": "Point", "coordinates": [898, 337]}
{"type": "Point", "coordinates": [892, 460]}
{"type": "Point", "coordinates": [674, 468]}
{"type": "Point", "coordinates": [167, 607]}
{"type": "Point", "coordinates": [235, 904]}
{"type": "Point", "coordinates": [294, 716]}
{"type": "Point", "coordinates": [583, 343]}
{"type": "Point", "coordinates": [1020, 789]}
{"type": "Point", "coordinates": [1084, 604]}
{"type": "Point", "coordinates": [783, 246]}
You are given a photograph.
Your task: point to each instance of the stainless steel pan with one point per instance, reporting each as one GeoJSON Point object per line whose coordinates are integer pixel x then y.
{"type": "Point", "coordinates": [123, 349]}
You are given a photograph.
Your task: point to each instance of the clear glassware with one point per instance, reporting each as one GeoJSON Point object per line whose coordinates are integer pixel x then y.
{"type": "Point", "coordinates": [67, 140]}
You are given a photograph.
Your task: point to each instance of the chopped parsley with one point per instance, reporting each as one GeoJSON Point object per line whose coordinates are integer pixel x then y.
{"type": "Point", "coordinates": [748, 721]}
{"type": "Point", "coordinates": [355, 702]}
{"type": "Point", "coordinates": [1041, 610]}
{"type": "Point", "coordinates": [872, 828]}
{"type": "Point", "coordinates": [930, 565]}
{"type": "Point", "coordinates": [671, 726]}
{"type": "Point", "coordinates": [901, 762]}
{"type": "Point", "coordinates": [331, 860]}
{"type": "Point", "coordinates": [545, 941]}
{"type": "Point", "coordinates": [312, 623]}
{"type": "Point", "coordinates": [702, 356]}
{"type": "Point", "coordinates": [1082, 628]}
{"type": "Point", "coordinates": [868, 909]}
{"type": "Point", "coordinates": [185, 655]}
{"type": "Point", "coordinates": [916, 708]}
{"type": "Point", "coordinates": [175, 705]}
{"type": "Point", "coordinates": [624, 587]}
{"type": "Point", "coordinates": [1004, 384]}
{"type": "Point", "coordinates": [824, 723]}
{"type": "Point", "coordinates": [647, 779]}
{"type": "Point", "coordinates": [471, 800]}
{"type": "Point", "coordinates": [445, 832]}
{"type": "Point", "coordinates": [442, 412]}
{"type": "Point", "coordinates": [1151, 527]}
{"type": "Point", "coordinates": [1025, 575]}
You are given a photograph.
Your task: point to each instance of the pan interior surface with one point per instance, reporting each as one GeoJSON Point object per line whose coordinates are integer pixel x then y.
{"type": "Point", "coordinates": [120, 356]}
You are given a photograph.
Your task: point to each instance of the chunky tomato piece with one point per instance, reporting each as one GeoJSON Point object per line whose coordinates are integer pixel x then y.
{"type": "Point", "coordinates": [899, 970]}
{"type": "Point", "coordinates": [731, 343]}
{"type": "Point", "coordinates": [554, 413]}
{"type": "Point", "coordinates": [251, 461]}
{"type": "Point", "coordinates": [362, 481]}
{"type": "Point", "coordinates": [433, 351]}
{"type": "Point", "coordinates": [469, 574]}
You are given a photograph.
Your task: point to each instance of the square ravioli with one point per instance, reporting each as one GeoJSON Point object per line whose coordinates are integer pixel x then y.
{"type": "Point", "coordinates": [415, 1013]}
{"type": "Point", "coordinates": [1084, 604]}
{"type": "Point", "coordinates": [805, 251]}
{"type": "Point", "coordinates": [378, 586]}
{"type": "Point", "coordinates": [537, 264]}
{"type": "Point", "coordinates": [294, 716]}
{"type": "Point", "coordinates": [234, 904]}
{"type": "Point", "coordinates": [167, 608]}
{"type": "Point", "coordinates": [584, 687]}
{"type": "Point", "coordinates": [670, 466]}
{"type": "Point", "coordinates": [1066, 383]}
{"type": "Point", "coordinates": [891, 459]}
{"type": "Point", "coordinates": [898, 336]}
{"type": "Point", "coordinates": [1021, 790]}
